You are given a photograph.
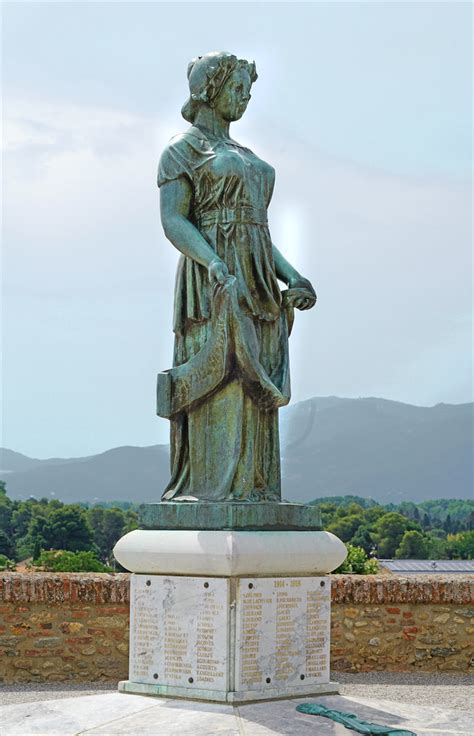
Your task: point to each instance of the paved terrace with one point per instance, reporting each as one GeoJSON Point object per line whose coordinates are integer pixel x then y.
{"type": "Point", "coordinates": [427, 704]}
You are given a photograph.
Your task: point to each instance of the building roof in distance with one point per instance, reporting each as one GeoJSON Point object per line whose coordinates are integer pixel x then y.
{"type": "Point", "coordinates": [428, 566]}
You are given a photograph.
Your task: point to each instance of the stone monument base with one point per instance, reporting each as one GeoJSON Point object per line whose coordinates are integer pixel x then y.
{"type": "Point", "coordinates": [229, 639]}
{"type": "Point", "coordinates": [229, 602]}
{"type": "Point", "coordinates": [229, 553]}
{"type": "Point", "coordinates": [230, 516]}
{"type": "Point", "coordinates": [135, 688]}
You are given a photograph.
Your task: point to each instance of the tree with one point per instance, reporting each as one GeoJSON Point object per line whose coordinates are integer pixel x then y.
{"type": "Point", "coordinates": [36, 549]}
{"type": "Point", "coordinates": [95, 517]}
{"type": "Point", "coordinates": [470, 522]}
{"type": "Point", "coordinates": [460, 546]}
{"type": "Point", "coordinates": [355, 509]}
{"type": "Point", "coordinates": [388, 533]}
{"type": "Point", "coordinates": [28, 520]}
{"type": "Point", "coordinates": [6, 513]}
{"type": "Point", "coordinates": [66, 528]}
{"type": "Point", "coordinates": [107, 526]}
{"type": "Point", "coordinates": [363, 538]}
{"type": "Point", "coordinates": [327, 511]}
{"type": "Point", "coordinates": [408, 509]}
{"type": "Point", "coordinates": [414, 546]}
{"type": "Point", "coordinates": [345, 527]}
{"type": "Point", "coordinates": [438, 533]}
{"type": "Point", "coordinates": [437, 545]}
{"type": "Point", "coordinates": [131, 521]}
{"type": "Point", "coordinates": [374, 513]}
{"type": "Point", "coordinates": [7, 545]}
{"type": "Point", "coordinates": [21, 518]}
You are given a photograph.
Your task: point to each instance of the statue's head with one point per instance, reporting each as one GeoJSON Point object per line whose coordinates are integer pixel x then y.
{"type": "Point", "coordinates": [219, 80]}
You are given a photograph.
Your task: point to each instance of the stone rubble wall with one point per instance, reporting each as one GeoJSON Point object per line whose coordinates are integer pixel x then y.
{"type": "Point", "coordinates": [402, 624]}
{"type": "Point", "coordinates": [69, 626]}
{"type": "Point", "coordinates": [75, 626]}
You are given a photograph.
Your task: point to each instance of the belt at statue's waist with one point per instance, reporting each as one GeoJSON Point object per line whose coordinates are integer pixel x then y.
{"type": "Point", "coordinates": [224, 215]}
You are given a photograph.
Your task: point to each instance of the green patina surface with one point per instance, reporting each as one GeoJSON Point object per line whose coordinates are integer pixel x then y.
{"type": "Point", "coordinates": [232, 319]}
{"type": "Point", "coordinates": [351, 721]}
{"type": "Point", "coordinates": [230, 516]}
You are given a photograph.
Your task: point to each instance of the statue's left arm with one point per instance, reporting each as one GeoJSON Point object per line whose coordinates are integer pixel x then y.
{"type": "Point", "coordinates": [294, 280]}
{"type": "Point", "coordinates": [287, 273]}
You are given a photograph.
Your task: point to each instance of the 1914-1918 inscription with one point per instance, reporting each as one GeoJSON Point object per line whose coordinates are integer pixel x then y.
{"type": "Point", "coordinates": [179, 631]}
{"type": "Point", "coordinates": [282, 632]}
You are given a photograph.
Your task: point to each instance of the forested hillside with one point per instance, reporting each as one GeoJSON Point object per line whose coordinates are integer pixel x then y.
{"type": "Point", "coordinates": [431, 530]}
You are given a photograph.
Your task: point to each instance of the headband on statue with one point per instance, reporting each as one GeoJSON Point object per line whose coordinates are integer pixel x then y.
{"type": "Point", "coordinates": [207, 76]}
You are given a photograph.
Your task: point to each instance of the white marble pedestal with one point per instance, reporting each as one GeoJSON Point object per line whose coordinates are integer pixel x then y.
{"type": "Point", "coordinates": [229, 639]}
{"type": "Point", "coordinates": [229, 616]}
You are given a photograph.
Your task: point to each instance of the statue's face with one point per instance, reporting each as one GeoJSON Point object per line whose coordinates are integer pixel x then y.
{"type": "Point", "coordinates": [234, 97]}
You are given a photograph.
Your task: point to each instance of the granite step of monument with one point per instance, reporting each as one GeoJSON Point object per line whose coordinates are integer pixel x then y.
{"type": "Point", "coordinates": [228, 516]}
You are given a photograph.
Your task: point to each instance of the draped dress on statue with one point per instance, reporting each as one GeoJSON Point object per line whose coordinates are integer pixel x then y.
{"type": "Point", "coordinates": [231, 368]}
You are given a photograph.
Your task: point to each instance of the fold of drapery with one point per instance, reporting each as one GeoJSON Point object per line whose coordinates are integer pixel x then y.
{"type": "Point", "coordinates": [232, 349]}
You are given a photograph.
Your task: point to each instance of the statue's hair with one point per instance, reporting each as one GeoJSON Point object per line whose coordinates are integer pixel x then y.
{"type": "Point", "coordinates": [207, 76]}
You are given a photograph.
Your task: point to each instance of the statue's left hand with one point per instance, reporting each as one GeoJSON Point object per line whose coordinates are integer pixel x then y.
{"type": "Point", "coordinates": [218, 272]}
{"type": "Point", "coordinates": [304, 302]}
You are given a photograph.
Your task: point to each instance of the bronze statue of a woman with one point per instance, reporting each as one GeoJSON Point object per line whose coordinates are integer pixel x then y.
{"type": "Point", "coordinates": [231, 321]}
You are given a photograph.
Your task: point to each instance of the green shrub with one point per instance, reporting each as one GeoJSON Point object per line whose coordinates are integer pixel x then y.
{"type": "Point", "coordinates": [414, 546]}
{"type": "Point", "coordinates": [357, 562]}
{"type": "Point", "coordinates": [59, 560]}
{"type": "Point", "coordinates": [6, 563]}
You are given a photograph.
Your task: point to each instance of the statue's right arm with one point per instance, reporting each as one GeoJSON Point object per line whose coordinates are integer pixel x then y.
{"type": "Point", "coordinates": [175, 205]}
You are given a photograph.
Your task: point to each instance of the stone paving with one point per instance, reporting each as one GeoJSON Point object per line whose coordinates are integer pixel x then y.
{"type": "Point", "coordinates": [114, 714]}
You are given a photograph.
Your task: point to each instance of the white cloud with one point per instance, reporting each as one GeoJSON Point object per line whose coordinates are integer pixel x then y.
{"type": "Point", "coordinates": [78, 175]}
{"type": "Point", "coordinates": [35, 123]}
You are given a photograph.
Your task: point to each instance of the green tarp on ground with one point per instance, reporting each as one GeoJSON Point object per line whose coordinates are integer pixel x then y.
{"type": "Point", "coordinates": [350, 720]}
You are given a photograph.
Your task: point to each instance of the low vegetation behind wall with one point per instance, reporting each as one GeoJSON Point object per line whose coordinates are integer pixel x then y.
{"type": "Point", "coordinates": [75, 626]}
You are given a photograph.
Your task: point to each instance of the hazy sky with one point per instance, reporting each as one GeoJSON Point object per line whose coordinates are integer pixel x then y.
{"type": "Point", "coordinates": [364, 109]}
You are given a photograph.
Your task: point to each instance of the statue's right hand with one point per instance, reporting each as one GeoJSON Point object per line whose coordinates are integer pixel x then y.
{"type": "Point", "coordinates": [218, 272]}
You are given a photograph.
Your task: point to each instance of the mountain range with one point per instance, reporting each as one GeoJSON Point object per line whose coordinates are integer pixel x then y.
{"type": "Point", "coordinates": [330, 446]}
